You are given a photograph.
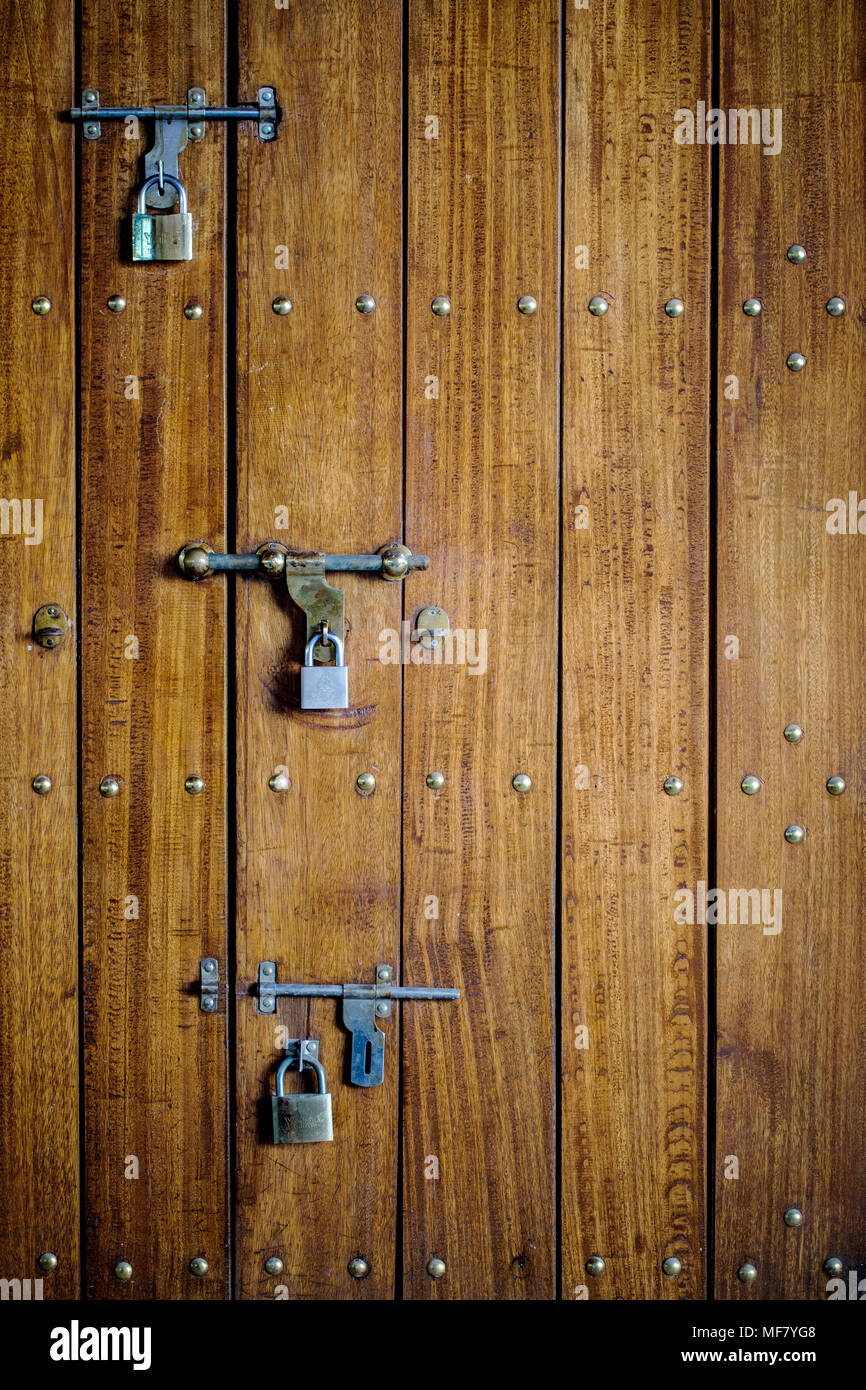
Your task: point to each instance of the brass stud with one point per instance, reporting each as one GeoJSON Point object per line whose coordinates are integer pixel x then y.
{"type": "Point", "coordinates": [272, 558]}
{"type": "Point", "coordinates": [116, 303]}
{"type": "Point", "coordinates": [366, 783]}
{"type": "Point", "coordinates": [793, 1217]}
{"type": "Point", "coordinates": [436, 1267]}
{"type": "Point", "coordinates": [282, 304]}
{"type": "Point", "coordinates": [793, 733]}
{"type": "Point", "coordinates": [795, 834]}
{"type": "Point", "coordinates": [675, 308]}
{"type": "Point", "coordinates": [673, 785]}
{"type": "Point", "coordinates": [47, 1262]}
{"type": "Point", "coordinates": [521, 782]}
{"type": "Point", "coordinates": [274, 1265]}
{"type": "Point", "coordinates": [193, 310]}
{"type": "Point", "coordinates": [198, 1266]}
{"type": "Point", "coordinates": [527, 304]}
{"type": "Point", "coordinates": [194, 784]}
{"type": "Point", "coordinates": [836, 785]}
{"type": "Point", "coordinates": [109, 786]}
{"type": "Point", "coordinates": [796, 254]}
{"type": "Point", "coordinates": [123, 1271]}
{"type": "Point", "coordinates": [41, 305]}
{"type": "Point", "coordinates": [752, 307]}
{"type": "Point", "coordinates": [395, 561]}
{"type": "Point", "coordinates": [42, 784]}
{"type": "Point", "coordinates": [835, 306]}
{"type": "Point", "coordinates": [194, 560]}
{"type": "Point", "coordinates": [365, 304]}
{"type": "Point", "coordinates": [672, 1266]}
{"type": "Point", "coordinates": [598, 306]}
{"type": "Point", "coordinates": [833, 1266]}
{"type": "Point", "coordinates": [435, 780]}
{"type": "Point", "coordinates": [359, 1268]}
{"type": "Point", "coordinates": [441, 306]}
{"type": "Point", "coordinates": [751, 784]}
{"type": "Point", "coordinates": [747, 1273]}
{"type": "Point", "coordinates": [595, 1265]}
{"type": "Point", "coordinates": [795, 361]}
{"type": "Point", "coordinates": [279, 782]}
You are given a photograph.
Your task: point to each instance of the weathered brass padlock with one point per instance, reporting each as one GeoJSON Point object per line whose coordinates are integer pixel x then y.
{"type": "Point", "coordinates": [167, 236]}
{"type": "Point", "coordinates": [303, 1118]}
{"type": "Point", "coordinates": [324, 687]}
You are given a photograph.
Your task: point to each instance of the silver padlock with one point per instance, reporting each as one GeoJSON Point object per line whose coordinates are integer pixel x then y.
{"type": "Point", "coordinates": [304, 1118]}
{"type": "Point", "coordinates": [324, 687]}
{"type": "Point", "coordinates": [166, 237]}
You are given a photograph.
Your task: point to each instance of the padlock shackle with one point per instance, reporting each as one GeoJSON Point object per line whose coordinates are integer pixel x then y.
{"type": "Point", "coordinates": [166, 178]}
{"type": "Point", "coordinates": [307, 1062]}
{"type": "Point", "coordinates": [324, 637]}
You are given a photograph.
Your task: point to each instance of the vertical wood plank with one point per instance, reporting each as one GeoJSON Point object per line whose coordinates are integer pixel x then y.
{"type": "Point", "coordinates": [791, 1070]}
{"type": "Point", "coordinates": [39, 1178]}
{"type": "Point", "coordinates": [481, 500]}
{"type": "Point", "coordinates": [319, 467]}
{"type": "Point", "coordinates": [153, 679]}
{"type": "Point", "coordinates": [634, 623]}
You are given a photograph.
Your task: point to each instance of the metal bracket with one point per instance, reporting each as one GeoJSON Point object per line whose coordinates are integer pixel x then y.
{"type": "Point", "coordinates": [301, 1051]}
{"type": "Point", "coordinates": [209, 986]}
{"type": "Point", "coordinates": [362, 1005]}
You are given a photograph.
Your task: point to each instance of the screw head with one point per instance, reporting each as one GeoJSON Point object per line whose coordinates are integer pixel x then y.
{"type": "Point", "coordinates": [747, 1273]}
{"type": "Point", "coordinates": [833, 1266]}
{"type": "Point", "coordinates": [282, 304]}
{"type": "Point", "coordinates": [383, 1009]}
{"type": "Point", "coordinates": [42, 784]}
{"type": "Point", "coordinates": [208, 1004]}
{"type": "Point", "coordinates": [673, 785]}
{"type": "Point", "coordinates": [836, 785]}
{"type": "Point", "coordinates": [793, 1217]}
{"type": "Point", "coordinates": [47, 1262]}
{"type": "Point", "coordinates": [193, 310]}
{"type": "Point", "coordinates": [267, 971]}
{"type": "Point", "coordinates": [441, 305]}
{"type": "Point", "coordinates": [266, 96]}
{"type": "Point", "coordinates": [672, 1266]}
{"type": "Point", "coordinates": [198, 1266]}
{"type": "Point", "coordinates": [41, 304]}
{"type": "Point", "coordinates": [435, 780]}
{"type": "Point", "coordinates": [91, 130]}
{"type": "Point", "coordinates": [752, 307]}
{"type": "Point", "coordinates": [89, 97]}
{"type": "Point", "coordinates": [116, 303]}
{"type": "Point", "coordinates": [194, 784]}
{"type": "Point", "coordinates": [675, 308]}
{"type": "Point", "coordinates": [266, 129]}
{"type": "Point", "coordinates": [279, 782]}
{"type": "Point", "coordinates": [835, 306]}
{"type": "Point", "coordinates": [365, 304]}
{"type": "Point", "coordinates": [795, 361]}
{"type": "Point", "coordinates": [793, 733]}
{"type": "Point", "coordinates": [196, 132]}
{"type": "Point", "coordinates": [274, 1265]}
{"type": "Point", "coordinates": [359, 1268]}
{"type": "Point", "coordinates": [195, 97]}
{"type": "Point", "coordinates": [436, 1267]}
{"type": "Point", "coordinates": [598, 306]}
{"type": "Point", "coordinates": [123, 1271]}
{"type": "Point", "coordinates": [527, 304]}
{"type": "Point", "coordinates": [366, 783]}
{"type": "Point", "coordinates": [750, 784]}
{"type": "Point", "coordinates": [796, 254]}
{"type": "Point", "coordinates": [595, 1265]}
{"type": "Point", "coordinates": [795, 834]}
{"type": "Point", "coordinates": [109, 786]}
{"type": "Point", "coordinates": [521, 782]}
{"type": "Point", "coordinates": [384, 974]}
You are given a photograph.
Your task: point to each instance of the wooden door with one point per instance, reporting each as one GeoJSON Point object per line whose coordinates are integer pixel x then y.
{"type": "Point", "coordinates": [516, 285]}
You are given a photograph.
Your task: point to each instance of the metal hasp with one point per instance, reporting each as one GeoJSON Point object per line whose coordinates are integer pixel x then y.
{"type": "Point", "coordinates": [174, 126]}
{"type": "Point", "coordinates": [304, 572]}
{"type": "Point", "coordinates": [362, 1005]}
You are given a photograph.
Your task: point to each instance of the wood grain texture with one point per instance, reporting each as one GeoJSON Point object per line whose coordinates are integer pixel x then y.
{"type": "Point", "coordinates": [319, 436]}
{"type": "Point", "coordinates": [481, 500]}
{"type": "Point", "coordinates": [152, 479]}
{"type": "Point", "coordinates": [791, 1070]}
{"type": "Point", "coordinates": [634, 628]}
{"type": "Point", "coordinates": [39, 1178]}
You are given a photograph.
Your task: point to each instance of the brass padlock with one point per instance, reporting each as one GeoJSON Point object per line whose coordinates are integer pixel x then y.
{"type": "Point", "coordinates": [303, 1118]}
{"type": "Point", "coordinates": [166, 237]}
{"type": "Point", "coordinates": [324, 687]}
